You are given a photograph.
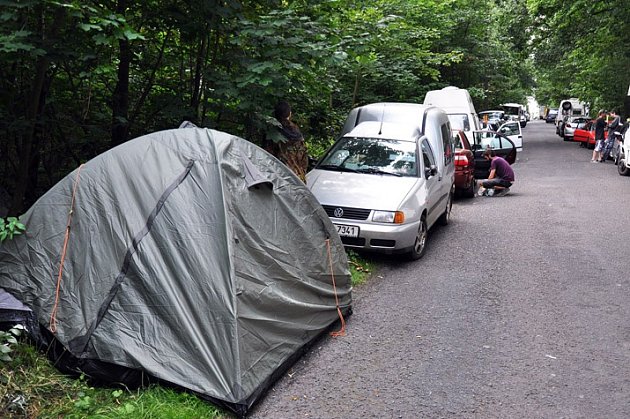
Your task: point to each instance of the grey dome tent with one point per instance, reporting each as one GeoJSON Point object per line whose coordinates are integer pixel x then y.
{"type": "Point", "coordinates": [188, 255]}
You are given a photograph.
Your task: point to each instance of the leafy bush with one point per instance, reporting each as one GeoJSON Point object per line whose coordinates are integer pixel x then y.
{"type": "Point", "coordinates": [7, 340]}
{"type": "Point", "coordinates": [10, 227]}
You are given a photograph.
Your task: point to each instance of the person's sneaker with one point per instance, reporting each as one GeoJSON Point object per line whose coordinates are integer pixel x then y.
{"type": "Point", "coordinates": [593, 161]}
{"type": "Point", "coordinates": [502, 192]}
{"type": "Point", "coordinates": [490, 192]}
{"type": "Point", "coordinates": [481, 191]}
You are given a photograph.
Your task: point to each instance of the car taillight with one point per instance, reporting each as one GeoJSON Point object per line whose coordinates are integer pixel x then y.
{"type": "Point", "coordinates": [461, 160]}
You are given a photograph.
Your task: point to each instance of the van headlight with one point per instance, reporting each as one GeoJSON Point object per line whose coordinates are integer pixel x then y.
{"type": "Point", "coordinates": [394, 217]}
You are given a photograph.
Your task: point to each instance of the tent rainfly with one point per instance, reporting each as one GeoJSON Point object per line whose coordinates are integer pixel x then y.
{"type": "Point", "coordinates": [189, 255]}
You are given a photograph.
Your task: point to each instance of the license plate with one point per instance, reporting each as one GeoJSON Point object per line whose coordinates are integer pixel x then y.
{"type": "Point", "coordinates": [347, 231]}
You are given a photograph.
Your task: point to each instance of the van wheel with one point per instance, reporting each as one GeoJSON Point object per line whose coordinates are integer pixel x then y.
{"type": "Point", "coordinates": [622, 168]}
{"type": "Point", "coordinates": [445, 218]}
{"type": "Point", "coordinates": [420, 244]}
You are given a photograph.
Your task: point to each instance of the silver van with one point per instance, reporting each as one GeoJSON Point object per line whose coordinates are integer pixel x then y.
{"type": "Point", "coordinates": [389, 177]}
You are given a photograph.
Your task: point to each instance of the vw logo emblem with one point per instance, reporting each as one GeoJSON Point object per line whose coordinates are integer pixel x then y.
{"type": "Point", "coordinates": [338, 213]}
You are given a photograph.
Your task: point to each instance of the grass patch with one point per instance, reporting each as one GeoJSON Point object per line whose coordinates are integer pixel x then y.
{"type": "Point", "coordinates": [30, 387]}
{"type": "Point", "coordinates": [360, 268]}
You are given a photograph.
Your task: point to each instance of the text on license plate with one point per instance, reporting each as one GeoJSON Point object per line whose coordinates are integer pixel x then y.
{"type": "Point", "coordinates": [347, 231]}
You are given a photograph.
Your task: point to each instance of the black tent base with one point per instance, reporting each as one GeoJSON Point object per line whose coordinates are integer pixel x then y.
{"type": "Point", "coordinates": [105, 374]}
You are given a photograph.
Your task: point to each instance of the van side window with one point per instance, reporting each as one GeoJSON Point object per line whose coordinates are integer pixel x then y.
{"type": "Point", "coordinates": [447, 143]}
{"type": "Point", "coordinates": [427, 155]}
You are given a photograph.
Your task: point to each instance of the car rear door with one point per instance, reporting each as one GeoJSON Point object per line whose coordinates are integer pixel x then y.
{"type": "Point", "coordinates": [582, 134]}
{"type": "Point", "coordinates": [502, 146]}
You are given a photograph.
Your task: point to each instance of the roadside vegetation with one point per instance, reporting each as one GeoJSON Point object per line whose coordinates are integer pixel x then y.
{"type": "Point", "coordinates": [580, 49]}
{"type": "Point", "coordinates": [30, 387]}
{"type": "Point", "coordinates": [78, 78]}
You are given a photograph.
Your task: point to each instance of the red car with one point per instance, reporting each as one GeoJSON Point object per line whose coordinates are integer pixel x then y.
{"type": "Point", "coordinates": [586, 135]}
{"type": "Point", "coordinates": [464, 166]}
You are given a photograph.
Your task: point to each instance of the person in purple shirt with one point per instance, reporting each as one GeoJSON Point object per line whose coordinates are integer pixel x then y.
{"type": "Point", "coordinates": [501, 176]}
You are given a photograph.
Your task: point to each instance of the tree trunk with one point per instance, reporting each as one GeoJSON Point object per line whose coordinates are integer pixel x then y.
{"type": "Point", "coordinates": [202, 52]}
{"type": "Point", "coordinates": [28, 150]}
{"type": "Point", "coordinates": [120, 98]}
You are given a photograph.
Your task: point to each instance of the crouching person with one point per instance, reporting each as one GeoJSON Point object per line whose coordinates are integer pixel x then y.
{"type": "Point", "coordinates": [501, 176]}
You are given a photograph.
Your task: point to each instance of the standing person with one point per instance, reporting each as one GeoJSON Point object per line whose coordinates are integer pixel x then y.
{"type": "Point", "coordinates": [291, 152]}
{"type": "Point", "coordinates": [613, 126]}
{"type": "Point", "coordinates": [600, 126]}
{"type": "Point", "coordinates": [501, 176]}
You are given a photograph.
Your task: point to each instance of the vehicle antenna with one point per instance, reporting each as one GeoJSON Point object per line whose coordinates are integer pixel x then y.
{"type": "Point", "coordinates": [380, 130]}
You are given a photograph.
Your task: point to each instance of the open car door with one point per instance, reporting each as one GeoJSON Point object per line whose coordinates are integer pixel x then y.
{"type": "Point", "coordinates": [512, 130]}
{"type": "Point", "coordinates": [501, 144]}
{"type": "Point", "coordinates": [582, 134]}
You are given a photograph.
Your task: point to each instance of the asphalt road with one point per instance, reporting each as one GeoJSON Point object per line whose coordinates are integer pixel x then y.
{"type": "Point", "coordinates": [519, 309]}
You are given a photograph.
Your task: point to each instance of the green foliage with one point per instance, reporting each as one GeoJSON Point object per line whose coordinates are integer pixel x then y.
{"type": "Point", "coordinates": [224, 64]}
{"type": "Point", "coordinates": [361, 267]}
{"type": "Point", "coordinates": [10, 228]}
{"type": "Point", "coordinates": [31, 387]}
{"type": "Point", "coordinates": [7, 340]}
{"type": "Point", "coordinates": [580, 50]}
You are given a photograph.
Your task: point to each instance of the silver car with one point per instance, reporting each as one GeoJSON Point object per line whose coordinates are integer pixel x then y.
{"type": "Point", "coordinates": [383, 187]}
{"type": "Point", "coordinates": [573, 123]}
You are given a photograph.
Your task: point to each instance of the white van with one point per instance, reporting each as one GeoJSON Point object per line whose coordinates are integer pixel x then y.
{"type": "Point", "coordinates": [389, 177]}
{"type": "Point", "coordinates": [459, 107]}
{"type": "Point", "coordinates": [515, 112]}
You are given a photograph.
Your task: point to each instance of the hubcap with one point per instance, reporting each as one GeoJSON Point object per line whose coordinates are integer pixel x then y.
{"type": "Point", "coordinates": [422, 237]}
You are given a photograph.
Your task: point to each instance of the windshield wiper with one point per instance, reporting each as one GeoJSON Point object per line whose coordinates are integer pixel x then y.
{"type": "Point", "coordinates": [374, 170]}
{"type": "Point", "coordinates": [335, 167]}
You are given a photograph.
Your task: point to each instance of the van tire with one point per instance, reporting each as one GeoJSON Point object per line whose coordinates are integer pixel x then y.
{"type": "Point", "coordinates": [420, 244]}
{"type": "Point", "coordinates": [445, 218]}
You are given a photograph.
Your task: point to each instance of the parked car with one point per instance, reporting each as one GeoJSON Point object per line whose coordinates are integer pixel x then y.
{"type": "Point", "coordinates": [512, 130]}
{"type": "Point", "coordinates": [502, 146]}
{"type": "Point", "coordinates": [492, 119]}
{"type": "Point", "coordinates": [389, 178]}
{"type": "Point", "coordinates": [587, 134]}
{"type": "Point", "coordinates": [551, 116]}
{"type": "Point", "coordinates": [464, 166]}
{"type": "Point", "coordinates": [573, 123]}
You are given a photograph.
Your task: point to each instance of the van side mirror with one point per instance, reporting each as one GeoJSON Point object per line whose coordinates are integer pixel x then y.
{"type": "Point", "coordinates": [430, 171]}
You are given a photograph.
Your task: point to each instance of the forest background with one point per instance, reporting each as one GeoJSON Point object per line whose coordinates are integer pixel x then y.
{"type": "Point", "coordinates": [80, 77]}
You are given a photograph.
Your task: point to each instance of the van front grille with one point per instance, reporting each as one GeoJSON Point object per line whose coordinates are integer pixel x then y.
{"type": "Point", "coordinates": [348, 213]}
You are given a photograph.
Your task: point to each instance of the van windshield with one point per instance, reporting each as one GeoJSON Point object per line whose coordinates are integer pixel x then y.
{"type": "Point", "coordinates": [459, 121]}
{"type": "Point", "coordinates": [373, 156]}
